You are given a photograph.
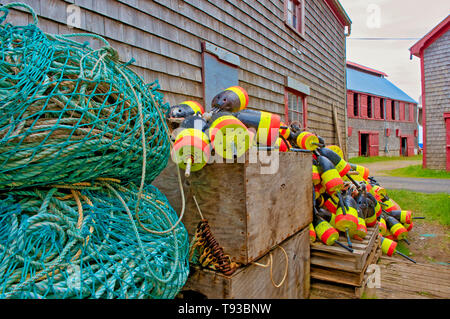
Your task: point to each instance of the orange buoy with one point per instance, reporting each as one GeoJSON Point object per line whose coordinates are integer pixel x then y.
{"type": "Point", "coordinates": [191, 149]}
{"type": "Point", "coordinates": [185, 109]}
{"type": "Point", "coordinates": [267, 125]}
{"type": "Point", "coordinates": [229, 137]}
{"type": "Point", "coordinates": [232, 99]}
{"type": "Point", "coordinates": [308, 141]}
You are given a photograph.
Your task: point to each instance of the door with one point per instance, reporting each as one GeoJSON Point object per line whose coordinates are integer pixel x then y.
{"type": "Point", "coordinates": [447, 129]}
{"type": "Point", "coordinates": [410, 145]}
{"type": "Point", "coordinates": [404, 146]}
{"type": "Point", "coordinates": [363, 144]}
{"type": "Point", "coordinates": [374, 144]}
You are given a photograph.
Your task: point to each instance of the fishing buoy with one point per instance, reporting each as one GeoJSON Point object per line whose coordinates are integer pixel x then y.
{"type": "Point", "coordinates": [389, 248]}
{"type": "Point", "coordinates": [229, 136]}
{"type": "Point", "coordinates": [285, 131]}
{"type": "Point", "coordinates": [347, 215]}
{"type": "Point", "coordinates": [330, 203]}
{"type": "Point", "coordinates": [389, 205]}
{"type": "Point", "coordinates": [312, 233]}
{"type": "Point", "coordinates": [382, 227]}
{"type": "Point", "coordinates": [308, 141]}
{"type": "Point", "coordinates": [232, 99]}
{"type": "Point", "coordinates": [325, 232]}
{"type": "Point", "coordinates": [336, 149]}
{"type": "Point", "coordinates": [327, 216]}
{"type": "Point", "coordinates": [371, 220]}
{"type": "Point", "coordinates": [191, 149]}
{"type": "Point", "coordinates": [318, 191]}
{"type": "Point", "coordinates": [339, 163]}
{"type": "Point", "coordinates": [361, 230]}
{"type": "Point", "coordinates": [186, 109]}
{"type": "Point", "coordinates": [378, 191]}
{"type": "Point", "coordinates": [403, 216]}
{"type": "Point", "coordinates": [267, 125]}
{"type": "Point", "coordinates": [281, 145]}
{"type": "Point", "coordinates": [362, 170]}
{"type": "Point", "coordinates": [409, 226]}
{"type": "Point", "coordinates": [315, 175]}
{"type": "Point", "coordinates": [378, 209]}
{"type": "Point", "coordinates": [329, 176]}
{"type": "Point", "coordinates": [395, 228]}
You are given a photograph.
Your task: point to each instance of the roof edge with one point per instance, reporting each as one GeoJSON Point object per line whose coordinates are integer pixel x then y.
{"type": "Point", "coordinates": [365, 68]}
{"type": "Point", "coordinates": [430, 37]}
{"type": "Point", "coordinates": [339, 11]}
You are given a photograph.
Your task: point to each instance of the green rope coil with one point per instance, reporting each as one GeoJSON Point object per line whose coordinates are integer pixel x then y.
{"type": "Point", "coordinates": [80, 242]}
{"type": "Point", "coordinates": [69, 113]}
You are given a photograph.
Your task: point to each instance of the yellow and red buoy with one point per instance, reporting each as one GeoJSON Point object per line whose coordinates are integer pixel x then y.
{"type": "Point", "coordinates": [326, 233]}
{"type": "Point", "coordinates": [191, 149]}
{"type": "Point", "coordinates": [348, 220]}
{"type": "Point", "coordinates": [363, 171]}
{"type": "Point", "coordinates": [403, 216]}
{"type": "Point", "coordinates": [282, 145]}
{"type": "Point", "coordinates": [285, 131]}
{"type": "Point", "coordinates": [339, 163]}
{"type": "Point", "coordinates": [232, 99]}
{"type": "Point", "coordinates": [186, 109]}
{"type": "Point", "coordinates": [267, 125]}
{"type": "Point", "coordinates": [315, 175]}
{"type": "Point", "coordinates": [361, 230]}
{"type": "Point", "coordinates": [312, 233]}
{"type": "Point", "coordinates": [229, 137]}
{"type": "Point", "coordinates": [330, 177]}
{"type": "Point", "coordinates": [308, 141]}
{"type": "Point", "coordinates": [396, 228]}
{"type": "Point", "coordinates": [388, 246]}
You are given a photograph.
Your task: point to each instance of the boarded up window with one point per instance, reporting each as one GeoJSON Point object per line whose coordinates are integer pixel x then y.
{"type": "Point", "coordinates": [363, 101]}
{"type": "Point", "coordinates": [220, 71]}
{"type": "Point", "coordinates": [402, 111]}
{"type": "Point", "coordinates": [295, 108]}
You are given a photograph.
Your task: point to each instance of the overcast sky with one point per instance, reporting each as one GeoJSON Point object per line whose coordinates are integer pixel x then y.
{"type": "Point", "coordinates": [392, 19]}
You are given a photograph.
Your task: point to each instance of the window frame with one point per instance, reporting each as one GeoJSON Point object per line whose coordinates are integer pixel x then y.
{"type": "Point", "coordinates": [287, 111]}
{"type": "Point", "coordinates": [300, 17]}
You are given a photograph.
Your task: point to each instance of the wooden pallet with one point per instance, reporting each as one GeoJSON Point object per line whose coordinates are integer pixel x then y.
{"type": "Point", "coordinates": [338, 258]}
{"type": "Point", "coordinates": [253, 281]}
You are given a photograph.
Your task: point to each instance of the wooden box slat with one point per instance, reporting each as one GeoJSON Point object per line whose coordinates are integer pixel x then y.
{"type": "Point", "coordinates": [249, 212]}
{"type": "Point", "coordinates": [253, 281]}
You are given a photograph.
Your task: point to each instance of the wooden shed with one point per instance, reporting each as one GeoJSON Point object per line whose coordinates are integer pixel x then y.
{"type": "Point", "coordinates": [434, 53]}
{"type": "Point", "coordinates": [288, 54]}
{"type": "Point", "coordinates": [382, 119]}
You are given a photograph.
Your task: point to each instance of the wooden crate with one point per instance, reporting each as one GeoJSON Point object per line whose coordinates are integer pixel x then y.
{"type": "Point", "coordinates": [253, 281]}
{"type": "Point", "coordinates": [335, 264]}
{"type": "Point", "coordinates": [249, 212]}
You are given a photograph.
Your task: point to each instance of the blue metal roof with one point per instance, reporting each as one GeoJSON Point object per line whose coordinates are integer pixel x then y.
{"type": "Point", "coordinates": [368, 83]}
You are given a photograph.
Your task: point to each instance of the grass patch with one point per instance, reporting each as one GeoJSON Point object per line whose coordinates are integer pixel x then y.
{"type": "Point", "coordinates": [373, 159]}
{"type": "Point", "coordinates": [418, 171]}
{"type": "Point", "coordinates": [435, 207]}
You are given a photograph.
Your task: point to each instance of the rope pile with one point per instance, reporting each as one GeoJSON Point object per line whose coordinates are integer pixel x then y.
{"type": "Point", "coordinates": [79, 241]}
{"type": "Point", "coordinates": [69, 113]}
{"type": "Point", "coordinates": [76, 127]}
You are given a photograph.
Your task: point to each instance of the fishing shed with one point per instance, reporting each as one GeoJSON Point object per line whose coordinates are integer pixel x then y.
{"type": "Point", "coordinates": [288, 54]}
{"type": "Point", "coordinates": [382, 119]}
{"type": "Point", "coordinates": [434, 53]}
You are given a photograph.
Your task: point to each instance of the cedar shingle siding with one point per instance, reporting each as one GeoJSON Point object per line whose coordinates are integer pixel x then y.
{"type": "Point", "coordinates": [437, 99]}
{"type": "Point", "coordinates": [165, 39]}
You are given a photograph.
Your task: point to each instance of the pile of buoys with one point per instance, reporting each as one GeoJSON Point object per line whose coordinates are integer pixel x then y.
{"type": "Point", "coordinates": [78, 130]}
{"type": "Point", "coordinates": [349, 201]}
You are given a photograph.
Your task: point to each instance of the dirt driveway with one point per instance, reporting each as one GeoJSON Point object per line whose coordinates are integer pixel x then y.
{"type": "Point", "coordinates": [376, 168]}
